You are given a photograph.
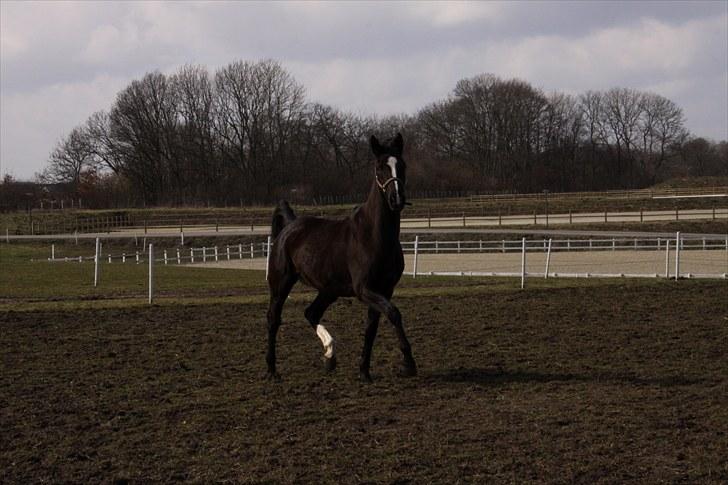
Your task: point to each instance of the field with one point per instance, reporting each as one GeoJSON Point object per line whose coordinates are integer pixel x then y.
{"type": "Point", "coordinates": [69, 220]}
{"type": "Point", "coordinates": [568, 380]}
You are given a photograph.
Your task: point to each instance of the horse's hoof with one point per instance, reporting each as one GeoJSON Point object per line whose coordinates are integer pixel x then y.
{"type": "Point", "coordinates": [365, 378]}
{"type": "Point", "coordinates": [408, 370]}
{"type": "Point", "coordinates": [330, 364]}
{"type": "Point", "coordinates": [273, 377]}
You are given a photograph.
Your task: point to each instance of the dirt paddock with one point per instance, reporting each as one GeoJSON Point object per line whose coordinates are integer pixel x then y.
{"type": "Point", "coordinates": [611, 382]}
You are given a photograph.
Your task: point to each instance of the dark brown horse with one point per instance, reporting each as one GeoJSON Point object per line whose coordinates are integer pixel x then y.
{"type": "Point", "coordinates": [357, 256]}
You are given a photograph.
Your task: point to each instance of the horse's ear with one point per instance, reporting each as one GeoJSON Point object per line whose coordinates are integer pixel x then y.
{"type": "Point", "coordinates": [376, 147]}
{"type": "Point", "coordinates": [397, 144]}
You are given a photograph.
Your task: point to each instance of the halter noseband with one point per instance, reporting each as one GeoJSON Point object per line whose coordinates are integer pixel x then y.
{"type": "Point", "coordinates": [383, 186]}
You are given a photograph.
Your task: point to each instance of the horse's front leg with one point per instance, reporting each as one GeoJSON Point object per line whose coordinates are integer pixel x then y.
{"type": "Point", "coordinates": [313, 314]}
{"type": "Point", "coordinates": [382, 304]}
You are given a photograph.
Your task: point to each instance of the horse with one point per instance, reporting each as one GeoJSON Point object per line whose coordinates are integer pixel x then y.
{"type": "Point", "coordinates": [357, 256]}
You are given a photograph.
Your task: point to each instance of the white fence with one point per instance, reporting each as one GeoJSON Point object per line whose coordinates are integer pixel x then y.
{"type": "Point", "coordinates": [605, 257]}
{"type": "Point", "coordinates": [653, 257]}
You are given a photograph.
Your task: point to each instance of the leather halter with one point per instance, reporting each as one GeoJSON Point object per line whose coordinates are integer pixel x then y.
{"type": "Point", "coordinates": [383, 187]}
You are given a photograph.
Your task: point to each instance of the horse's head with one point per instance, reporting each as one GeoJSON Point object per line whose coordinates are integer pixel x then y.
{"type": "Point", "coordinates": [390, 171]}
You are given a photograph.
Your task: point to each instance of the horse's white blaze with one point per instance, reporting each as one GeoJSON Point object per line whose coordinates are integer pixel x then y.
{"type": "Point", "coordinates": [326, 339]}
{"type": "Point", "coordinates": [392, 162]}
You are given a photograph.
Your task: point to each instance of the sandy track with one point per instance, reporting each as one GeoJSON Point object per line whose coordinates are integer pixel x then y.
{"type": "Point", "coordinates": [708, 262]}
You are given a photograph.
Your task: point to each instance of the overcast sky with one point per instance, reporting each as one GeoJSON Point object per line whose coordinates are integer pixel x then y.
{"type": "Point", "coordinates": [61, 61]}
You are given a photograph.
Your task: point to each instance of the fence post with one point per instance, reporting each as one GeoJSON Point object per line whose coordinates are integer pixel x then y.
{"type": "Point", "coordinates": [227, 250]}
{"type": "Point", "coordinates": [677, 255]}
{"type": "Point", "coordinates": [204, 254]}
{"type": "Point", "coordinates": [151, 272]}
{"type": "Point", "coordinates": [96, 262]}
{"type": "Point", "coordinates": [523, 262]}
{"type": "Point", "coordinates": [165, 257]}
{"type": "Point", "coordinates": [182, 237]}
{"type": "Point", "coordinates": [216, 255]}
{"type": "Point", "coordinates": [252, 251]}
{"type": "Point", "coordinates": [667, 259]}
{"type": "Point", "coordinates": [137, 257]}
{"type": "Point", "coordinates": [192, 255]}
{"type": "Point", "coordinates": [414, 263]}
{"type": "Point", "coordinates": [53, 252]}
{"type": "Point", "coordinates": [240, 251]}
{"type": "Point", "coordinates": [548, 260]}
{"type": "Point", "coordinates": [109, 257]}
{"type": "Point", "coordinates": [179, 258]}
{"type": "Point", "coordinates": [123, 257]}
{"type": "Point", "coordinates": [534, 217]}
{"type": "Point", "coordinates": [267, 259]}
{"type": "Point", "coordinates": [463, 219]}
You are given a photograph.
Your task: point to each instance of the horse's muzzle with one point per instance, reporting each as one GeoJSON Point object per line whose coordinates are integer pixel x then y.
{"type": "Point", "coordinates": [396, 202]}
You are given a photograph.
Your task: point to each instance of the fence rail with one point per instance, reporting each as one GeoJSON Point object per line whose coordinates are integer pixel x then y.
{"type": "Point", "coordinates": [718, 191]}
{"type": "Point", "coordinates": [444, 220]}
{"type": "Point", "coordinates": [558, 245]}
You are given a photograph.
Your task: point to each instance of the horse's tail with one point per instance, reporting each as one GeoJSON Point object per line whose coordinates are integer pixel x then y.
{"type": "Point", "coordinates": [282, 216]}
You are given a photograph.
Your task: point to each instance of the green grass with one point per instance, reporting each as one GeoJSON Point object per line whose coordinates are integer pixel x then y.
{"type": "Point", "coordinates": [27, 276]}
{"type": "Point", "coordinates": [29, 282]}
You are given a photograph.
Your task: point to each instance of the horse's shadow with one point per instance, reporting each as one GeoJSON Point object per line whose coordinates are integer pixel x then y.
{"type": "Point", "coordinates": [500, 376]}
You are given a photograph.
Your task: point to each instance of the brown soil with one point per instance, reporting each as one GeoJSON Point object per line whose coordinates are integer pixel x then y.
{"type": "Point", "coordinates": [610, 383]}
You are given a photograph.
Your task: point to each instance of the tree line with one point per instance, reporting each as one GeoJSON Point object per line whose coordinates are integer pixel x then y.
{"type": "Point", "coordinates": [247, 134]}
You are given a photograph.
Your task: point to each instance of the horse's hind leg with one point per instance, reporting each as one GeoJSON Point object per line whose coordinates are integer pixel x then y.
{"type": "Point", "coordinates": [382, 304]}
{"type": "Point", "coordinates": [280, 286]}
{"type": "Point", "coordinates": [369, 335]}
{"type": "Point", "coordinates": [313, 314]}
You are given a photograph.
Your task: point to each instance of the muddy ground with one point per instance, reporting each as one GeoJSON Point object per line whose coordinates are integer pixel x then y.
{"type": "Point", "coordinates": [621, 382]}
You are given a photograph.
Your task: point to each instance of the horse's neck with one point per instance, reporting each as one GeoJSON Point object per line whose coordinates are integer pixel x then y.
{"type": "Point", "coordinates": [382, 222]}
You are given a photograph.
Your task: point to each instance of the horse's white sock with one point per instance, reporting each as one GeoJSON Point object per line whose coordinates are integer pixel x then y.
{"type": "Point", "coordinates": [326, 339]}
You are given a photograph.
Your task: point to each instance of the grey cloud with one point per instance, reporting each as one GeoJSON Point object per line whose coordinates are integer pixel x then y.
{"type": "Point", "coordinates": [368, 57]}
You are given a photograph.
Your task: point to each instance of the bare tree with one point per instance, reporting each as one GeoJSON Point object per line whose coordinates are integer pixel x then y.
{"type": "Point", "coordinates": [258, 109]}
{"type": "Point", "coordinates": [143, 124]}
{"type": "Point", "coordinates": [198, 171]}
{"type": "Point", "coordinates": [71, 157]}
{"type": "Point", "coordinates": [661, 125]}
